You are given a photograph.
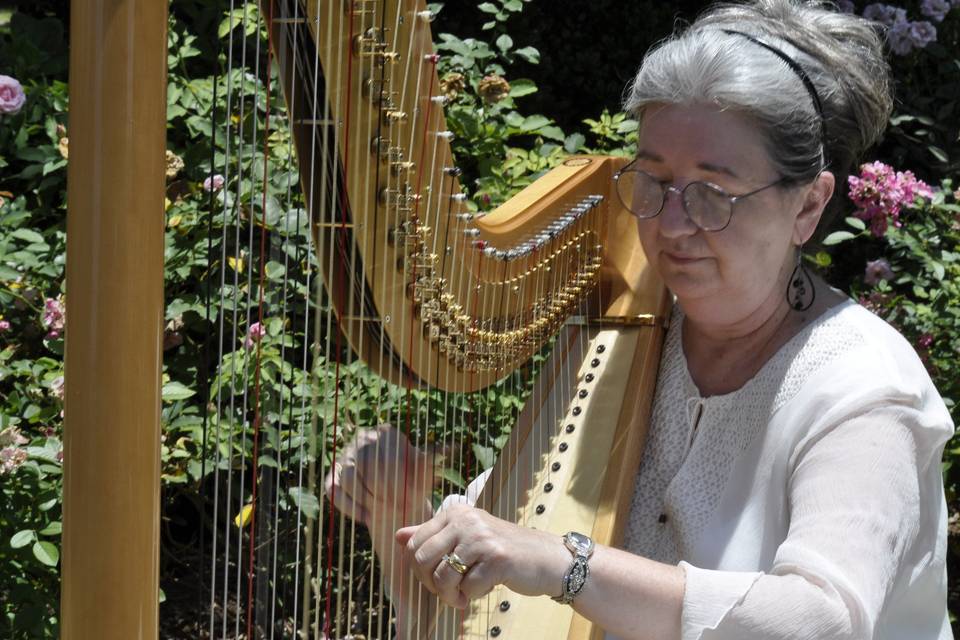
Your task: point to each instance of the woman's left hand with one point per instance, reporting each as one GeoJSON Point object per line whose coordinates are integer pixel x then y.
{"type": "Point", "coordinates": [527, 561]}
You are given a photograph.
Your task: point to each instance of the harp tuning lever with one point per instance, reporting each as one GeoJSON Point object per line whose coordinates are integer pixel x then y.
{"type": "Point", "coordinates": [391, 116]}
{"type": "Point", "coordinates": [400, 167]}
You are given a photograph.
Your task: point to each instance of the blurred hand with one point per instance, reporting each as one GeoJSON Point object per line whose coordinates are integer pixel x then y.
{"type": "Point", "coordinates": [382, 480]}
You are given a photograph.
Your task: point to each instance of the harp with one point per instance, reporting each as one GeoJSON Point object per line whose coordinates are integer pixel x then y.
{"type": "Point", "coordinates": [426, 293]}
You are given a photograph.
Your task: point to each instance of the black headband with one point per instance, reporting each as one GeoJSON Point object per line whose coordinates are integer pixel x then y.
{"type": "Point", "coordinates": [797, 69]}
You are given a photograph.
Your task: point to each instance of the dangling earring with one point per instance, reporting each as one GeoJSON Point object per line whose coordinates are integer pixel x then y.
{"type": "Point", "coordinates": [800, 290]}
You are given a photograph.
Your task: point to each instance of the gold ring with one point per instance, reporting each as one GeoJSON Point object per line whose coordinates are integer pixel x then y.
{"type": "Point", "coordinates": [456, 562]}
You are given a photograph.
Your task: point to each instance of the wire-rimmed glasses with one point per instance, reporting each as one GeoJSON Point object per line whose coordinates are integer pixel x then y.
{"type": "Point", "coordinates": [707, 205]}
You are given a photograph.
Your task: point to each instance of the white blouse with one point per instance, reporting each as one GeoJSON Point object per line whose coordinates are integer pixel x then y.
{"type": "Point", "coordinates": [808, 503]}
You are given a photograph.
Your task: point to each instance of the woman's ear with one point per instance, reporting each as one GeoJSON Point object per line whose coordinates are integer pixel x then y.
{"type": "Point", "coordinates": [815, 200]}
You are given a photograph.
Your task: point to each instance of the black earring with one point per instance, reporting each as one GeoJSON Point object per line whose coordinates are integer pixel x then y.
{"type": "Point", "coordinates": [800, 290]}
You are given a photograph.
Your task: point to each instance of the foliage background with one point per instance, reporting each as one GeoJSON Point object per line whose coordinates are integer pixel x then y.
{"type": "Point", "coordinates": [571, 71]}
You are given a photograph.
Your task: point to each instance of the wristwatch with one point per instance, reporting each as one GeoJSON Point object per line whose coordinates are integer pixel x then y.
{"type": "Point", "coordinates": [581, 547]}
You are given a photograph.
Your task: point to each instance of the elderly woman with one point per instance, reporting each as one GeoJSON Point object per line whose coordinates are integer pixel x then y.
{"type": "Point", "coordinates": [790, 487]}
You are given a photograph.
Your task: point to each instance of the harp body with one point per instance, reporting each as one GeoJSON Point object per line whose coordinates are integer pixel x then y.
{"type": "Point", "coordinates": [428, 295]}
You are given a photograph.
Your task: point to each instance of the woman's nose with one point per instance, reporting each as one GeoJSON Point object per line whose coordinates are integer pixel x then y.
{"type": "Point", "coordinates": [674, 221]}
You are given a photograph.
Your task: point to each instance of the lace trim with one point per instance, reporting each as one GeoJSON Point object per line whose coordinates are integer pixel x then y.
{"type": "Point", "coordinates": [679, 486]}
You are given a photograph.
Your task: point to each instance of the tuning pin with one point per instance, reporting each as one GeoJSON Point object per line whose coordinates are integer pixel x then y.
{"type": "Point", "coordinates": [452, 171]}
{"type": "Point", "coordinates": [432, 58]}
{"type": "Point", "coordinates": [446, 135]}
{"type": "Point", "coordinates": [427, 16]}
{"type": "Point", "coordinates": [440, 100]}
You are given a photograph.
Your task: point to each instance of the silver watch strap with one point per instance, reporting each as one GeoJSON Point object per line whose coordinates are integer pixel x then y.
{"type": "Point", "coordinates": [574, 579]}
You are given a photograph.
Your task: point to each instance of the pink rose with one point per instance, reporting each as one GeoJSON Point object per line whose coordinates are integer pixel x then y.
{"type": "Point", "coordinates": [54, 317]}
{"type": "Point", "coordinates": [56, 388]}
{"type": "Point", "coordinates": [4, 326]}
{"type": "Point", "coordinates": [254, 334]}
{"type": "Point", "coordinates": [10, 459]}
{"type": "Point", "coordinates": [11, 95]}
{"type": "Point", "coordinates": [11, 436]}
{"type": "Point", "coordinates": [213, 183]}
{"type": "Point", "coordinates": [880, 193]}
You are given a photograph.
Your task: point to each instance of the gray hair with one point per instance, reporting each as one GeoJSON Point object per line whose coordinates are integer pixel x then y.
{"type": "Point", "coordinates": [842, 55]}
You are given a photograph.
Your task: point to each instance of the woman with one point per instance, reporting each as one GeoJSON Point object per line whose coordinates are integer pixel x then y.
{"type": "Point", "coordinates": [790, 486]}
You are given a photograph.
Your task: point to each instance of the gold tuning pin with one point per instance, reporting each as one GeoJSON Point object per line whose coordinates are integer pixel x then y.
{"type": "Point", "coordinates": [391, 116]}
{"type": "Point", "coordinates": [400, 167]}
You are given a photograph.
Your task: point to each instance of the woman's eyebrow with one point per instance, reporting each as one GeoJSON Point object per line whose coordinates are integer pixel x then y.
{"type": "Point", "coordinates": [716, 168]}
{"type": "Point", "coordinates": [643, 154]}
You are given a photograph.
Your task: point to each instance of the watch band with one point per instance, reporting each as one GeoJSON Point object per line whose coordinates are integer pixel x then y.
{"type": "Point", "coordinates": [576, 576]}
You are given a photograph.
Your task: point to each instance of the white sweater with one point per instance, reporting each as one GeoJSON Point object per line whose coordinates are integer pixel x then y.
{"type": "Point", "coordinates": [809, 503]}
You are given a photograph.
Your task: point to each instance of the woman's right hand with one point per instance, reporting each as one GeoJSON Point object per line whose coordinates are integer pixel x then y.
{"type": "Point", "coordinates": [382, 480]}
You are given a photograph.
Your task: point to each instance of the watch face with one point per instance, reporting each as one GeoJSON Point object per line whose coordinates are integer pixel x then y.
{"type": "Point", "coordinates": [579, 543]}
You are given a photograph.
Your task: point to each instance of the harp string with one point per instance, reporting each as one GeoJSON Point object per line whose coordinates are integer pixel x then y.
{"type": "Point", "coordinates": [330, 561]}
{"type": "Point", "coordinates": [275, 598]}
{"type": "Point", "coordinates": [341, 204]}
{"type": "Point", "coordinates": [244, 433]}
{"type": "Point", "coordinates": [219, 333]}
{"type": "Point", "coordinates": [235, 206]}
{"type": "Point", "coordinates": [203, 372]}
{"type": "Point", "coordinates": [387, 270]}
{"type": "Point", "coordinates": [328, 199]}
{"type": "Point", "coordinates": [346, 290]}
{"type": "Point", "coordinates": [262, 251]}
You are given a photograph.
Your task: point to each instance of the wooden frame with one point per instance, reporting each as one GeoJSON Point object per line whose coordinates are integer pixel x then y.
{"type": "Point", "coordinates": [116, 182]}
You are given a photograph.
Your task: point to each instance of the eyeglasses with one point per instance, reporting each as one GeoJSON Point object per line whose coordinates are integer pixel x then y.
{"type": "Point", "coordinates": [707, 205]}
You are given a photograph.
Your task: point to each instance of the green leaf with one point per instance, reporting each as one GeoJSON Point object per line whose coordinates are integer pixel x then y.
{"type": "Point", "coordinates": [486, 456]}
{"type": "Point", "coordinates": [522, 87]}
{"type": "Point", "coordinates": [46, 552]}
{"type": "Point", "coordinates": [488, 7]}
{"type": "Point", "coordinates": [306, 501]}
{"type": "Point", "coordinates": [504, 43]}
{"type": "Point", "coordinates": [529, 54]}
{"type": "Point", "coordinates": [452, 476]}
{"type": "Point", "coordinates": [29, 235]}
{"type": "Point", "coordinates": [837, 237]}
{"type": "Point", "coordinates": [47, 454]}
{"type": "Point", "coordinates": [513, 119]}
{"type": "Point", "coordinates": [532, 123]}
{"type": "Point", "coordinates": [856, 223]}
{"type": "Point", "coordinates": [574, 142]}
{"type": "Point", "coordinates": [52, 529]}
{"type": "Point", "coordinates": [23, 538]}
{"type": "Point", "coordinates": [938, 153]}
{"type": "Point", "coordinates": [173, 391]}
{"type": "Point", "coordinates": [274, 270]}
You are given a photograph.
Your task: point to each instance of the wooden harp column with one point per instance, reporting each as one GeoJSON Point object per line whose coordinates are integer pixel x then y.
{"type": "Point", "coordinates": [115, 224]}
